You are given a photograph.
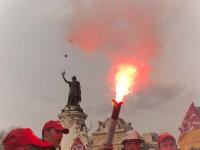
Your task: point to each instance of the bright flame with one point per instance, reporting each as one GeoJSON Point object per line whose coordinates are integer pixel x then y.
{"type": "Point", "coordinates": [125, 79]}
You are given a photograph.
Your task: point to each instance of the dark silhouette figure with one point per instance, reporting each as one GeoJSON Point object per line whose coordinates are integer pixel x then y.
{"type": "Point", "coordinates": [75, 91]}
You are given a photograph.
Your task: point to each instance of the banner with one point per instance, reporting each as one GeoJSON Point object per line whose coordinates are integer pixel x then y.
{"type": "Point", "coordinates": [78, 145]}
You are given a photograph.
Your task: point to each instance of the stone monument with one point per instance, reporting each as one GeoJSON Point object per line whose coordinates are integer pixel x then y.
{"type": "Point", "coordinates": [73, 117]}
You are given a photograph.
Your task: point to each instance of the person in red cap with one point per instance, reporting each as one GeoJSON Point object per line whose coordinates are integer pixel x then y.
{"type": "Point", "coordinates": [53, 132]}
{"type": "Point", "coordinates": [24, 139]}
{"type": "Point", "coordinates": [166, 142]}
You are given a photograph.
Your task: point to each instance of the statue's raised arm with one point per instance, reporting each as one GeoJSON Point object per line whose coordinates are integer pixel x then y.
{"type": "Point", "coordinates": [63, 75]}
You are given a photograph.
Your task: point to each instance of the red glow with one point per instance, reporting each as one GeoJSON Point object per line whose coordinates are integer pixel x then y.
{"type": "Point", "coordinates": [117, 104]}
{"type": "Point", "coordinates": [127, 77]}
{"type": "Point", "coordinates": [124, 80]}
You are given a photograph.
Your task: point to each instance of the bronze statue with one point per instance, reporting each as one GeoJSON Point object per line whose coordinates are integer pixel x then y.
{"type": "Point", "coordinates": [75, 91]}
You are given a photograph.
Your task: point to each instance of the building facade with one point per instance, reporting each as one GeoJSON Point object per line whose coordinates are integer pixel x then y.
{"type": "Point", "coordinates": [99, 136]}
{"type": "Point", "coordinates": [189, 138]}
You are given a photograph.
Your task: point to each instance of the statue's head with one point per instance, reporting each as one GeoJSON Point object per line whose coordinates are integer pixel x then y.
{"type": "Point", "coordinates": [74, 78]}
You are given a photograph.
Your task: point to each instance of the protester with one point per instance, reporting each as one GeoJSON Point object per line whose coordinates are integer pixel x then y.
{"type": "Point", "coordinates": [166, 142]}
{"type": "Point", "coordinates": [24, 139]}
{"type": "Point", "coordinates": [53, 132]}
{"type": "Point", "coordinates": [132, 141]}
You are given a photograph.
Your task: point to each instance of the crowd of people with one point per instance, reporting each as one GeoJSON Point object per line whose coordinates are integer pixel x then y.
{"type": "Point", "coordinates": [133, 141]}
{"type": "Point", "coordinates": [52, 133]}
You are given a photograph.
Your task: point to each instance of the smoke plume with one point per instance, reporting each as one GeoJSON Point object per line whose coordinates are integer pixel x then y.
{"type": "Point", "coordinates": [126, 32]}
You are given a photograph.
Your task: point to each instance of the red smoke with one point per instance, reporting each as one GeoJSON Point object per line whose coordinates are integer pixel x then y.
{"type": "Point", "coordinates": [124, 31]}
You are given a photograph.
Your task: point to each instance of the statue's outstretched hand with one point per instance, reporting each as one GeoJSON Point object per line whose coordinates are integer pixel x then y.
{"type": "Point", "coordinates": [63, 73]}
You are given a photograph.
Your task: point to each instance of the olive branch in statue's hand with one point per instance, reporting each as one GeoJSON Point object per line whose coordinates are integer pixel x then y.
{"type": "Point", "coordinates": [63, 73]}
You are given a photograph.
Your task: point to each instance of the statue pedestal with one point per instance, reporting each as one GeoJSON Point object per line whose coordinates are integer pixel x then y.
{"type": "Point", "coordinates": [73, 118]}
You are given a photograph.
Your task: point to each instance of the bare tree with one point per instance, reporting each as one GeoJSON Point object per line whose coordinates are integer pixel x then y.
{"type": "Point", "coordinates": [2, 135]}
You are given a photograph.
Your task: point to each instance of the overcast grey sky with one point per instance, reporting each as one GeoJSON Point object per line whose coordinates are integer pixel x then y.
{"type": "Point", "coordinates": [32, 48]}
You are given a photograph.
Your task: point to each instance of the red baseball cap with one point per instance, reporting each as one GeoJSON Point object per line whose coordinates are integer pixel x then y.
{"type": "Point", "coordinates": [165, 136]}
{"type": "Point", "coordinates": [56, 125]}
{"type": "Point", "coordinates": [21, 137]}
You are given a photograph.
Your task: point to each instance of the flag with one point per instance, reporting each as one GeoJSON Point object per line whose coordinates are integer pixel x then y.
{"type": "Point", "coordinates": [78, 145]}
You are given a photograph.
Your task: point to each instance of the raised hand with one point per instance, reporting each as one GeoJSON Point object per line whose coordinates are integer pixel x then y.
{"type": "Point", "coordinates": [63, 73]}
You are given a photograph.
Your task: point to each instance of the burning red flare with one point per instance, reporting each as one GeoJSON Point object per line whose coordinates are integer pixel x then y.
{"type": "Point", "coordinates": [125, 80]}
